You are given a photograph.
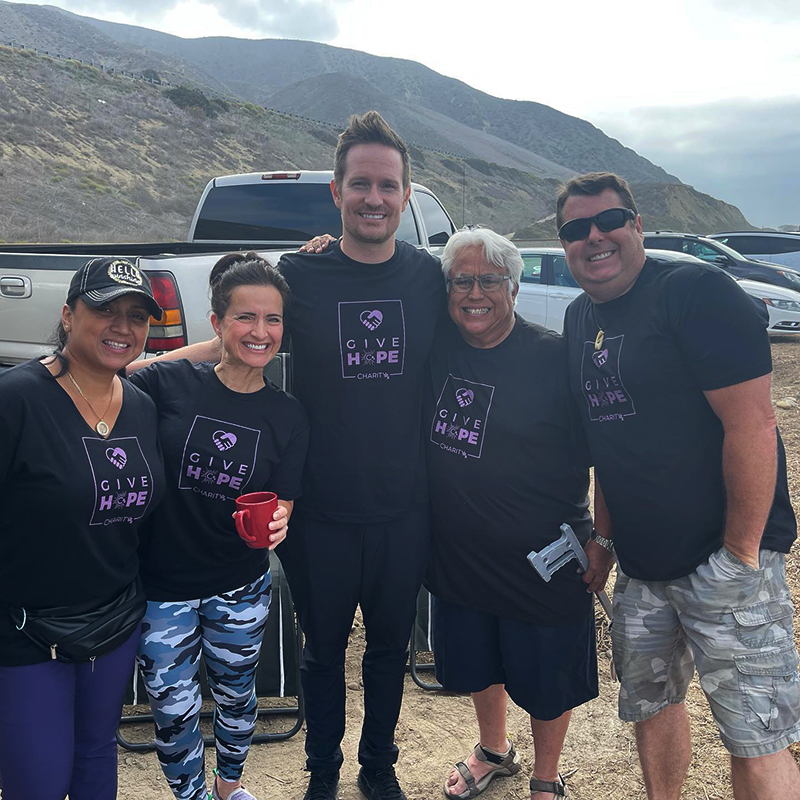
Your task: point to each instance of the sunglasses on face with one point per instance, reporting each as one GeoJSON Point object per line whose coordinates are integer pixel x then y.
{"type": "Point", "coordinates": [608, 220]}
{"type": "Point", "coordinates": [489, 282]}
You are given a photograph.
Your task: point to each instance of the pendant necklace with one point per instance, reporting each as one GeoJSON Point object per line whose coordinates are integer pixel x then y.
{"type": "Point", "coordinates": [102, 426]}
{"type": "Point", "coordinates": [601, 334]}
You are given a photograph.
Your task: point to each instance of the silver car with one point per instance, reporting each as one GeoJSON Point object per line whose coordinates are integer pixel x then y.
{"type": "Point", "coordinates": [547, 288]}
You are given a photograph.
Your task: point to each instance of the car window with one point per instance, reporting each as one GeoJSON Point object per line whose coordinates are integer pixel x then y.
{"type": "Point", "coordinates": [438, 224]}
{"type": "Point", "coordinates": [561, 274]}
{"type": "Point", "coordinates": [407, 231]}
{"type": "Point", "coordinates": [531, 269]}
{"type": "Point", "coordinates": [663, 243]}
{"type": "Point", "coordinates": [700, 250]}
{"type": "Point", "coordinates": [786, 245]}
{"type": "Point", "coordinates": [746, 245]}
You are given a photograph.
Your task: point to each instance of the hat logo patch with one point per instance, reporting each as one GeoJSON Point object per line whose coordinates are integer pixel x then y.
{"type": "Point", "coordinates": [122, 271]}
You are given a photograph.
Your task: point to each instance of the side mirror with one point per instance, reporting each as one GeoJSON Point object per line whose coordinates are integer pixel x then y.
{"type": "Point", "coordinates": [439, 238]}
{"type": "Point", "coordinates": [723, 261]}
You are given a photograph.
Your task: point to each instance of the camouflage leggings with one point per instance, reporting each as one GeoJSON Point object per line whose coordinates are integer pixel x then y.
{"type": "Point", "coordinates": [228, 629]}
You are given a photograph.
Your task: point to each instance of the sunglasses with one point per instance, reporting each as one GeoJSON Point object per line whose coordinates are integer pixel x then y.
{"type": "Point", "coordinates": [489, 282]}
{"type": "Point", "coordinates": [608, 220]}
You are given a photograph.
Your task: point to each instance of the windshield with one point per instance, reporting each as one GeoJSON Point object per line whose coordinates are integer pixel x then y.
{"type": "Point", "coordinates": [276, 211]}
{"type": "Point", "coordinates": [729, 251]}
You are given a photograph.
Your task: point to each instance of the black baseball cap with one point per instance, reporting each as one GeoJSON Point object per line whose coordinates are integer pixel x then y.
{"type": "Point", "coordinates": [104, 279]}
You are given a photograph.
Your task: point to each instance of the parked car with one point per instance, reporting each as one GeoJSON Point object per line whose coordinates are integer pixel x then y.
{"type": "Point", "coordinates": [777, 247]}
{"type": "Point", "coordinates": [547, 288]}
{"type": "Point", "coordinates": [727, 258]}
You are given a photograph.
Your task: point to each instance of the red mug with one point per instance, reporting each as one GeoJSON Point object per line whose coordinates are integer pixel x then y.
{"type": "Point", "coordinates": [253, 514]}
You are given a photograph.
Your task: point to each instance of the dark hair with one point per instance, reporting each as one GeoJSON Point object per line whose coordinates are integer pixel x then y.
{"type": "Point", "coordinates": [590, 184]}
{"type": "Point", "coordinates": [369, 128]}
{"type": "Point", "coordinates": [243, 269]}
{"type": "Point", "coordinates": [59, 341]}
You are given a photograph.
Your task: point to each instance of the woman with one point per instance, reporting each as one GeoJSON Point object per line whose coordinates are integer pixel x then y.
{"type": "Point", "coordinates": [79, 470]}
{"type": "Point", "coordinates": [224, 432]}
{"type": "Point", "coordinates": [506, 467]}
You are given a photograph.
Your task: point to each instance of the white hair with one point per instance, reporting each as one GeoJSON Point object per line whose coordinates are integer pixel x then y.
{"type": "Point", "coordinates": [496, 249]}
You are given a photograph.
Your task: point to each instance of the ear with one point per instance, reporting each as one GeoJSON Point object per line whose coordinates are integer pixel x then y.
{"type": "Point", "coordinates": [215, 324]}
{"type": "Point", "coordinates": [405, 198]}
{"type": "Point", "coordinates": [66, 317]}
{"type": "Point", "coordinates": [638, 225]}
{"type": "Point", "coordinates": [337, 198]}
{"type": "Point", "coordinates": [514, 293]}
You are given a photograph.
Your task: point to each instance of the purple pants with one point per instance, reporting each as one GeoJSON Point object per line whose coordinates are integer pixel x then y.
{"type": "Point", "coordinates": [57, 726]}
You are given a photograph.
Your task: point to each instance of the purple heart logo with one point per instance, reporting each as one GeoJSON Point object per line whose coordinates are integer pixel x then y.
{"type": "Point", "coordinates": [224, 441]}
{"type": "Point", "coordinates": [371, 319]}
{"type": "Point", "coordinates": [600, 358]}
{"type": "Point", "coordinates": [465, 397]}
{"type": "Point", "coordinates": [117, 456]}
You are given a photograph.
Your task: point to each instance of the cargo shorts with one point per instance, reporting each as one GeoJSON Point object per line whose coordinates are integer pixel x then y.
{"type": "Point", "coordinates": [734, 623]}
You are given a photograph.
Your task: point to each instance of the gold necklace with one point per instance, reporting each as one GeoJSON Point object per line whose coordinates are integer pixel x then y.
{"type": "Point", "coordinates": [601, 334]}
{"type": "Point", "coordinates": [102, 426]}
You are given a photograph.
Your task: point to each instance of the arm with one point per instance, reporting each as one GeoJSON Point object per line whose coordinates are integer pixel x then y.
{"type": "Point", "coordinates": [749, 462]}
{"type": "Point", "coordinates": [196, 353]}
{"type": "Point", "coordinates": [600, 559]}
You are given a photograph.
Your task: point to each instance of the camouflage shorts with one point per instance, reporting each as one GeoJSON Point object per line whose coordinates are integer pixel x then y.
{"type": "Point", "coordinates": [735, 624]}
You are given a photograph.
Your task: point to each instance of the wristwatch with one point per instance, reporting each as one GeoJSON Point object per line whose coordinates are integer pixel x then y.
{"type": "Point", "coordinates": [602, 541]}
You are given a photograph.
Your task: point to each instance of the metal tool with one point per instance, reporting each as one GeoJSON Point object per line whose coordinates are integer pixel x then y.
{"type": "Point", "coordinates": [550, 559]}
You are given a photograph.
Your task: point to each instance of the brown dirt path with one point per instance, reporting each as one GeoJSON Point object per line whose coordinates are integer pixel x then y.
{"type": "Point", "coordinates": [437, 729]}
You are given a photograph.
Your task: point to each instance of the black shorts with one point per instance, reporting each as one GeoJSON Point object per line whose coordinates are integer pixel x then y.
{"type": "Point", "coordinates": [546, 671]}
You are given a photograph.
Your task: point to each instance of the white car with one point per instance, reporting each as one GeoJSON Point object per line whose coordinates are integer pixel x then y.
{"type": "Point", "coordinates": [547, 288]}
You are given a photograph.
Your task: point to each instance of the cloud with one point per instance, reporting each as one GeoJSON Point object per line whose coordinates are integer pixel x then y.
{"type": "Point", "coordinates": [298, 19]}
{"type": "Point", "coordinates": [776, 10]}
{"type": "Point", "coordinates": [744, 152]}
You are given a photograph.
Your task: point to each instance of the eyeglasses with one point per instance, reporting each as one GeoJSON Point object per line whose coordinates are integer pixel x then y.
{"type": "Point", "coordinates": [608, 220]}
{"type": "Point", "coordinates": [489, 282]}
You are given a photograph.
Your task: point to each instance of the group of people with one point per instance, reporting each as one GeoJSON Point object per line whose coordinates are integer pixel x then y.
{"type": "Point", "coordinates": [444, 438]}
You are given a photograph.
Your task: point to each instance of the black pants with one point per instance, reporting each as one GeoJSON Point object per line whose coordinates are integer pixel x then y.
{"type": "Point", "coordinates": [332, 568]}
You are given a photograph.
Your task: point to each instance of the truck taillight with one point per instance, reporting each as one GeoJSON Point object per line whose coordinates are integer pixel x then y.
{"type": "Point", "coordinates": [168, 333]}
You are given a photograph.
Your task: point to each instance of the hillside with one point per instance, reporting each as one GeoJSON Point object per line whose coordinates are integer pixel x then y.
{"type": "Point", "coordinates": [88, 156]}
{"type": "Point", "coordinates": [430, 109]}
{"type": "Point", "coordinates": [49, 28]}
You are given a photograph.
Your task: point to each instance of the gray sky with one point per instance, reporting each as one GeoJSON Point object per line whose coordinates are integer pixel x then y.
{"type": "Point", "coordinates": [707, 89]}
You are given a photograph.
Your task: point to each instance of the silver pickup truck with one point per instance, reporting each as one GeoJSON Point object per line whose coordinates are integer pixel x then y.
{"type": "Point", "coordinates": [270, 212]}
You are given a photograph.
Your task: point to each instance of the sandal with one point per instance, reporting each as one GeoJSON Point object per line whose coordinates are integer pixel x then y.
{"type": "Point", "coordinates": [558, 788]}
{"type": "Point", "coordinates": [502, 765]}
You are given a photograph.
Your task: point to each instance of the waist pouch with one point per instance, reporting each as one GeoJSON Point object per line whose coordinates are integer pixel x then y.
{"type": "Point", "coordinates": [75, 634]}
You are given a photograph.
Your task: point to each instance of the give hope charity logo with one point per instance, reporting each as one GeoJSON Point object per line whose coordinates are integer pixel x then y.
{"type": "Point", "coordinates": [462, 411]}
{"type": "Point", "coordinates": [123, 482]}
{"type": "Point", "coordinates": [372, 338]}
{"type": "Point", "coordinates": [218, 458]}
{"type": "Point", "coordinates": [601, 382]}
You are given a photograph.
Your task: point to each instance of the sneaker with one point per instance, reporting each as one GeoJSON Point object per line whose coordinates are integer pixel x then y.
{"type": "Point", "coordinates": [380, 784]}
{"type": "Point", "coordinates": [237, 794]}
{"type": "Point", "coordinates": [322, 785]}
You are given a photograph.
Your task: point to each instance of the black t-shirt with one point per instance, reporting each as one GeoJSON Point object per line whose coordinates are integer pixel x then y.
{"type": "Point", "coordinates": [71, 502]}
{"type": "Point", "coordinates": [655, 441]}
{"type": "Point", "coordinates": [218, 444]}
{"type": "Point", "coordinates": [361, 334]}
{"type": "Point", "coordinates": [507, 465]}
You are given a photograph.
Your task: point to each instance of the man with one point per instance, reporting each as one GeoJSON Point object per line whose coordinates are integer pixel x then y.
{"type": "Point", "coordinates": [362, 320]}
{"type": "Point", "coordinates": [670, 365]}
{"type": "Point", "coordinates": [507, 466]}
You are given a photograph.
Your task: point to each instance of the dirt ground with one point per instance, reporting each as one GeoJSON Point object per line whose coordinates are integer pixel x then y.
{"type": "Point", "coordinates": [437, 729]}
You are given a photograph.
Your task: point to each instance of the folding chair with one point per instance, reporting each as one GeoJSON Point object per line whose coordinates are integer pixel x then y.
{"type": "Point", "coordinates": [422, 641]}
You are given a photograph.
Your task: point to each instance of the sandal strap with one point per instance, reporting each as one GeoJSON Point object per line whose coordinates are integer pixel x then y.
{"type": "Point", "coordinates": [493, 757]}
{"type": "Point", "coordinates": [468, 777]}
{"type": "Point", "coordinates": [557, 788]}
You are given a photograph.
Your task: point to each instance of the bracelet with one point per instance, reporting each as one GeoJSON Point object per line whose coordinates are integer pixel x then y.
{"type": "Point", "coordinates": [608, 544]}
